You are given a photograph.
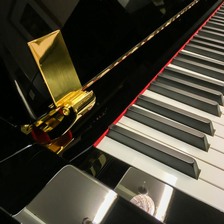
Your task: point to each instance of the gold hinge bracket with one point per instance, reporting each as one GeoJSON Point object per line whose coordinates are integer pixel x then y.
{"type": "Point", "coordinates": [69, 100]}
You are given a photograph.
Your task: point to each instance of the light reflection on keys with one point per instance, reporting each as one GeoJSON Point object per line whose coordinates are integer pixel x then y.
{"type": "Point", "coordinates": [198, 189]}
{"type": "Point", "coordinates": [205, 51]}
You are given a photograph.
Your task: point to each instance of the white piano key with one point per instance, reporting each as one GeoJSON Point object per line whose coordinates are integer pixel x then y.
{"type": "Point", "coordinates": [186, 97]}
{"type": "Point", "coordinates": [195, 73]}
{"type": "Point", "coordinates": [198, 74]}
{"type": "Point", "coordinates": [212, 157]}
{"type": "Point", "coordinates": [215, 29]}
{"type": "Point", "coordinates": [164, 154]}
{"type": "Point", "coordinates": [219, 130]}
{"type": "Point", "coordinates": [200, 67]}
{"type": "Point", "coordinates": [198, 189]}
{"type": "Point", "coordinates": [206, 60]}
{"type": "Point", "coordinates": [214, 24]}
{"type": "Point", "coordinates": [209, 188]}
{"type": "Point", "coordinates": [209, 39]}
{"type": "Point", "coordinates": [168, 126]}
{"type": "Point", "coordinates": [217, 19]}
{"type": "Point", "coordinates": [191, 87]}
{"type": "Point", "coordinates": [212, 35]}
{"type": "Point", "coordinates": [201, 56]}
{"type": "Point", "coordinates": [216, 143]}
{"type": "Point", "coordinates": [182, 116]}
{"type": "Point", "coordinates": [219, 120]}
{"type": "Point", "coordinates": [208, 170]}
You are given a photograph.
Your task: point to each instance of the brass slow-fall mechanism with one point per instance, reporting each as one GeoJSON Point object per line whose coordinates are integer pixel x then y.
{"type": "Point", "coordinates": [69, 101]}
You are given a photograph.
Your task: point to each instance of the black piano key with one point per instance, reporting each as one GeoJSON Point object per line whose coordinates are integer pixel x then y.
{"type": "Point", "coordinates": [193, 100]}
{"type": "Point", "coordinates": [198, 67]}
{"type": "Point", "coordinates": [208, 45]}
{"type": "Point", "coordinates": [214, 64]}
{"type": "Point", "coordinates": [177, 114]}
{"type": "Point", "coordinates": [209, 40]}
{"type": "Point", "coordinates": [206, 51]}
{"type": "Point", "coordinates": [218, 55]}
{"type": "Point", "coordinates": [204, 43]}
{"type": "Point", "coordinates": [169, 127]}
{"type": "Point", "coordinates": [203, 81]}
{"type": "Point", "coordinates": [218, 25]}
{"type": "Point", "coordinates": [161, 153]}
{"type": "Point", "coordinates": [211, 28]}
{"type": "Point", "coordinates": [191, 87]}
{"type": "Point", "coordinates": [219, 13]}
{"type": "Point", "coordinates": [217, 19]}
{"type": "Point", "coordinates": [211, 35]}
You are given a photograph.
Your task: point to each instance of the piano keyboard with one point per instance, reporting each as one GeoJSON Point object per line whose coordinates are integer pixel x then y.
{"type": "Point", "coordinates": [174, 131]}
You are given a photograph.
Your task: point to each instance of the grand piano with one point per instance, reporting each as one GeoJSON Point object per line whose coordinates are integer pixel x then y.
{"type": "Point", "coordinates": [149, 148]}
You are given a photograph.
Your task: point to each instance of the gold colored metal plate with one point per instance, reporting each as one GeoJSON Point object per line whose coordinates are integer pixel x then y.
{"type": "Point", "coordinates": [55, 64]}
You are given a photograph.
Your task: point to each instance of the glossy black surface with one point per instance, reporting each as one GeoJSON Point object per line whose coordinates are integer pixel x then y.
{"type": "Point", "coordinates": [25, 171]}
{"type": "Point", "coordinates": [24, 174]}
{"type": "Point", "coordinates": [8, 146]}
{"type": "Point", "coordinates": [10, 99]}
{"type": "Point", "coordinates": [125, 212]}
{"type": "Point", "coordinates": [7, 218]}
{"type": "Point", "coordinates": [126, 80]}
{"type": "Point", "coordinates": [99, 32]}
{"type": "Point", "coordinates": [96, 33]}
{"type": "Point", "coordinates": [110, 172]}
{"type": "Point", "coordinates": [183, 208]}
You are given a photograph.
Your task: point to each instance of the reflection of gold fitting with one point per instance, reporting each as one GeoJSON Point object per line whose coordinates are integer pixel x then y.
{"type": "Point", "coordinates": [58, 145]}
{"type": "Point", "coordinates": [70, 102]}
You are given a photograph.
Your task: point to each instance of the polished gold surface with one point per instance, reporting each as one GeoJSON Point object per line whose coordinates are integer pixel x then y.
{"type": "Point", "coordinates": [80, 102]}
{"type": "Point", "coordinates": [56, 67]}
{"type": "Point", "coordinates": [59, 145]}
{"type": "Point", "coordinates": [70, 102]}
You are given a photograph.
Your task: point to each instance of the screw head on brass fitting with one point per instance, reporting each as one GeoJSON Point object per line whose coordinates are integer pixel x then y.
{"type": "Point", "coordinates": [66, 111]}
